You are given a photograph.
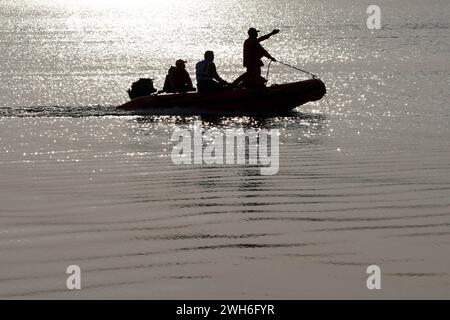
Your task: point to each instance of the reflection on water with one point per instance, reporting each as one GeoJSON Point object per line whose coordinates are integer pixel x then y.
{"type": "Point", "coordinates": [104, 193]}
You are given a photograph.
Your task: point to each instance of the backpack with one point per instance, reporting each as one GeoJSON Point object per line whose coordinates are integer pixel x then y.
{"type": "Point", "coordinates": [140, 88]}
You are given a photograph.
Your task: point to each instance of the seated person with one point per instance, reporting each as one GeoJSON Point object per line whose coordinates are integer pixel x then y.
{"type": "Point", "coordinates": [208, 79]}
{"type": "Point", "coordinates": [178, 79]}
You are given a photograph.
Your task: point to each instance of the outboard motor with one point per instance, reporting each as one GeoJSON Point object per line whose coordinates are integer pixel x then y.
{"type": "Point", "coordinates": [140, 88]}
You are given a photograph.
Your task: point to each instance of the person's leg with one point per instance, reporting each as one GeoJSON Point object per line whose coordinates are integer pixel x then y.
{"type": "Point", "coordinates": [258, 71]}
{"type": "Point", "coordinates": [208, 86]}
{"type": "Point", "coordinates": [249, 77]}
{"type": "Point", "coordinates": [216, 86]}
{"type": "Point", "coordinates": [240, 81]}
{"type": "Point", "coordinates": [254, 78]}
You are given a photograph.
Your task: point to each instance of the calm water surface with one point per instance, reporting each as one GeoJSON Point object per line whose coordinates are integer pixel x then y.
{"type": "Point", "coordinates": [364, 173]}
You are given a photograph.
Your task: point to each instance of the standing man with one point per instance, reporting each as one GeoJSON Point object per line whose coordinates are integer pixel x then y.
{"type": "Point", "coordinates": [208, 80]}
{"type": "Point", "coordinates": [253, 52]}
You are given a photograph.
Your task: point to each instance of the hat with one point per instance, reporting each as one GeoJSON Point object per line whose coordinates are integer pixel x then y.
{"type": "Point", "coordinates": [180, 62]}
{"type": "Point", "coordinates": [252, 30]}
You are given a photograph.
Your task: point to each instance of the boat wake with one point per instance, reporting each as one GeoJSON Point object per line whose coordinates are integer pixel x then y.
{"type": "Point", "coordinates": [102, 111]}
{"type": "Point", "coordinates": [61, 111]}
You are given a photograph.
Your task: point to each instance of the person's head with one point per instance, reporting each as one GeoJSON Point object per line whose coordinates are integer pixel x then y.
{"type": "Point", "coordinates": [180, 64]}
{"type": "Point", "coordinates": [253, 33]}
{"type": "Point", "coordinates": [209, 56]}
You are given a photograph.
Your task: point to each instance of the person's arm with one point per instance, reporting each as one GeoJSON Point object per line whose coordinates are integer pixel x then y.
{"type": "Point", "coordinates": [267, 36]}
{"type": "Point", "coordinates": [188, 79]}
{"type": "Point", "coordinates": [190, 83]}
{"type": "Point", "coordinates": [214, 73]}
{"type": "Point", "coordinates": [266, 54]}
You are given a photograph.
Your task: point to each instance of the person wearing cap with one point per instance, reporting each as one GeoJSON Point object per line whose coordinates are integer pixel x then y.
{"type": "Point", "coordinates": [253, 53]}
{"type": "Point", "coordinates": [178, 79]}
{"type": "Point", "coordinates": [208, 80]}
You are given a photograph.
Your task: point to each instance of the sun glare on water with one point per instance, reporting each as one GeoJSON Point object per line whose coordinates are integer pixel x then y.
{"type": "Point", "coordinates": [116, 4]}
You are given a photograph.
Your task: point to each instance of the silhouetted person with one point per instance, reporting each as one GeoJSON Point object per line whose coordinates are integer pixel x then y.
{"type": "Point", "coordinates": [253, 53]}
{"type": "Point", "coordinates": [178, 79]}
{"type": "Point", "coordinates": [208, 80]}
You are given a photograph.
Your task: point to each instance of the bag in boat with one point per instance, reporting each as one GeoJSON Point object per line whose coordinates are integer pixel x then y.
{"type": "Point", "coordinates": [140, 88]}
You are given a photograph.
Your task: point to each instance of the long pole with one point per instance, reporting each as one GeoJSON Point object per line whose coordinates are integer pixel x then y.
{"type": "Point", "coordinates": [288, 65]}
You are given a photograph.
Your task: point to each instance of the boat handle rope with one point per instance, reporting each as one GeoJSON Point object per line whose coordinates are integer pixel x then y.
{"type": "Point", "coordinates": [288, 65]}
{"type": "Point", "coordinates": [268, 69]}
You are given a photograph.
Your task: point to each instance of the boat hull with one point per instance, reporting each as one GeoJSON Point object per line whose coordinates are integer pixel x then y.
{"type": "Point", "coordinates": [274, 99]}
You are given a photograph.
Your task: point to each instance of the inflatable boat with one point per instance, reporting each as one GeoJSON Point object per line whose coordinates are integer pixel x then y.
{"type": "Point", "coordinates": [268, 100]}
